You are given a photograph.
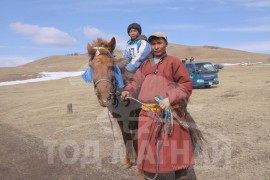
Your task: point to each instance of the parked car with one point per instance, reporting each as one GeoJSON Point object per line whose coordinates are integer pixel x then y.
{"type": "Point", "coordinates": [203, 74]}
{"type": "Point", "coordinates": [218, 66]}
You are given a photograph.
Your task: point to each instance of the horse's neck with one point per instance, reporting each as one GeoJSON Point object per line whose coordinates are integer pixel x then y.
{"type": "Point", "coordinates": [125, 74]}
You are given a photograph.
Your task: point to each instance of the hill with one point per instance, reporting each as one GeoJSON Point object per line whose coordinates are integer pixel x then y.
{"type": "Point", "coordinates": [80, 62]}
{"type": "Point", "coordinates": [215, 54]}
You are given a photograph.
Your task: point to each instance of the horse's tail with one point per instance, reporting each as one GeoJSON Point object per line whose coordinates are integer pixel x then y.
{"type": "Point", "coordinates": [196, 135]}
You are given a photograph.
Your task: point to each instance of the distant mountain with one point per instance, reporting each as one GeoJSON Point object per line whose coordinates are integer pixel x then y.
{"type": "Point", "coordinates": [80, 62]}
{"type": "Point", "coordinates": [215, 54]}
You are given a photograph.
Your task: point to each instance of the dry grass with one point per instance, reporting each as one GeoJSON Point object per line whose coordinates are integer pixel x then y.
{"type": "Point", "coordinates": [234, 117]}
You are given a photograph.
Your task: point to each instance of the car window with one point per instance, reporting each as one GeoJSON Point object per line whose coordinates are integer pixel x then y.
{"type": "Point", "coordinates": [205, 67]}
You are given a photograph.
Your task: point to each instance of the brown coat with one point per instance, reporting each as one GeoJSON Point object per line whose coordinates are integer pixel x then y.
{"type": "Point", "coordinates": [168, 78]}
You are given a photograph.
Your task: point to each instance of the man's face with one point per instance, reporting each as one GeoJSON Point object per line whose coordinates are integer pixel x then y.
{"type": "Point", "coordinates": [133, 33]}
{"type": "Point", "coordinates": [158, 46]}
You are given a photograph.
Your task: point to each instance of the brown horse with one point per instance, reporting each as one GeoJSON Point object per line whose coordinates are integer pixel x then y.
{"type": "Point", "coordinates": [102, 64]}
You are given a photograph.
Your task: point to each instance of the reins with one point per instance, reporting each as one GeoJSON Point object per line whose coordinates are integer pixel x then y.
{"type": "Point", "coordinates": [157, 132]}
{"type": "Point", "coordinates": [157, 138]}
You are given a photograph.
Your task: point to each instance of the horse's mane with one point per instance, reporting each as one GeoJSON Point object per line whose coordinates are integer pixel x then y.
{"type": "Point", "coordinates": [99, 42]}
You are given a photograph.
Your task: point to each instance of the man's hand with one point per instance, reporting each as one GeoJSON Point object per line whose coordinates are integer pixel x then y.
{"type": "Point", "coordinates": [165, 103]}
{"type": "Point", "coordinates": [124, 95]}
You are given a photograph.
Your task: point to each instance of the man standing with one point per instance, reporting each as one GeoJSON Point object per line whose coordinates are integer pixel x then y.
{"type": "Point", "coordinates": [161, 75]}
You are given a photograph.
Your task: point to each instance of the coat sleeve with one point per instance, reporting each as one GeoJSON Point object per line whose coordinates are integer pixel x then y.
{"type": "Point", "coordinates": [136, 61]}
{"type": "Point", "coordinates": [182, 87]}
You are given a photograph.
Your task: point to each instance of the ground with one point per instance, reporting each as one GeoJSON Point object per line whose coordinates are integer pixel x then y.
{"type": "Point", "coordinates": [40, 140]}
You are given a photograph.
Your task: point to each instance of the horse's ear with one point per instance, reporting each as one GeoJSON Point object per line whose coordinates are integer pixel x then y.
{"type": "Point", "coordinates": [112, 44]}
{"type": "Point", "coordinates": [88, 47]}
{"type": "Point", "coordinates": [90, 50]}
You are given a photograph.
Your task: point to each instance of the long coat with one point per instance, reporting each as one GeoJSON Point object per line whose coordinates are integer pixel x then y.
{"type": "Point", "coordinates": [168, 78]}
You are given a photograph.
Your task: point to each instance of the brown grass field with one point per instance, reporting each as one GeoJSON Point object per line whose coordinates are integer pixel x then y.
{"type": "Point", "coordinates": [40, 140]}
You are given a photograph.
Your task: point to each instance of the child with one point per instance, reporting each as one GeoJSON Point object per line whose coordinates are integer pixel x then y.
{"type": "Point", "coordinates": [138, 48]}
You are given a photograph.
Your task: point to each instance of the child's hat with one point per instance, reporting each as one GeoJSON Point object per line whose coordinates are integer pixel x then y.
{"type": "Point", "coordinates": [135, 26]}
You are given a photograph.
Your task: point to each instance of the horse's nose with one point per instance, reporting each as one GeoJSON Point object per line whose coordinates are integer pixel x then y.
{"type": "Point", "coordinates": [104, 101]}
{"type": "Point", "coordinates": [113, 89]}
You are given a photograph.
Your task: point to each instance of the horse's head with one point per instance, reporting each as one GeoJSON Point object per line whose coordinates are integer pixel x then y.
{"type": "Point", "coordinates": [102, 64]}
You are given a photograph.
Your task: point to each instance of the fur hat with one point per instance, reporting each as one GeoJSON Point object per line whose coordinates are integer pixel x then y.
{"type": "Point", "coordinates": [135, 26]}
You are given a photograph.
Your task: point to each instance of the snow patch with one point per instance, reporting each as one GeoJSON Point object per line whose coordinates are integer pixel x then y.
{"type": "Point", "coordinates": [44, 76]}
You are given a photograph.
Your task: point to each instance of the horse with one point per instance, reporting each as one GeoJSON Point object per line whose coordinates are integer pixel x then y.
{"type": "Point", "coordinates": [103, 64]}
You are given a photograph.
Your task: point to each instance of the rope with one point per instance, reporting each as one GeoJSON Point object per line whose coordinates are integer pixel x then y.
{"type": "Point", "coordinates": [158, 146]}
{"type": "Point", "coordinates": [111, 124]}
{"type": "Point", "coordinates": [142, 104]}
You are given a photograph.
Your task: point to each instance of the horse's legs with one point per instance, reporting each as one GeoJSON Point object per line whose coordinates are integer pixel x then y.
{"type": "Point", "coordinates": [134, 123]}
{"type": "Point", "coordinates": [140, 175]}
{"type": "Point", "coordinates": [127, 141]}
{"type": "Point", "coordinates": [134, 137]}
{"type": "Point", "coordinates": [134, 127]}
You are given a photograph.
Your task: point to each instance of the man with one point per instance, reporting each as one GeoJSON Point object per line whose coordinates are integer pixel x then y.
{"type": "Point", "coordinates": [184, 60]}
{"type": "Point", "coordinates": [137, 48]}
{"type": "Point", "coordinates": [165, 76]}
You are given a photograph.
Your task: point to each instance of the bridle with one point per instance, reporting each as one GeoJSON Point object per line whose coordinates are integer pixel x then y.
{"type": "Point", "coordinates": [100, 80]}
{"type": "Point", "coordinates": [106, 80]}
{"type": "Point", "coordinates": [103, 79]}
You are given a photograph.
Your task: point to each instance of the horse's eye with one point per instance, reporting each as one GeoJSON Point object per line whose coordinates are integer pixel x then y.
{"type": "Point", "coordinates": [91, 56]}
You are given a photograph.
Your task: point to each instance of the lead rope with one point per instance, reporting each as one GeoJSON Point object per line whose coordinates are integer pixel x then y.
{"type": "Point", "coordinates": [172, 114]}
{"type": "Point", "coordinates": [111, 124]}
{"type": "Point", "coordinates": [158, 146]}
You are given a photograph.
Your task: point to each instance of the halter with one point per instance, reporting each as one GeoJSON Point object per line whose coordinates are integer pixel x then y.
{"type": "Point", "coordinates": [107, 80]}
{"type": "Point", "coordinates": [100, 48]}
{"type": "Point", "coordinates": [98, 81]}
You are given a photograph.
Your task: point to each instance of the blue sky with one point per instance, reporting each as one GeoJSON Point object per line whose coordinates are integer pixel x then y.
{"type": "Point", "coordinates": [33, 29]}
